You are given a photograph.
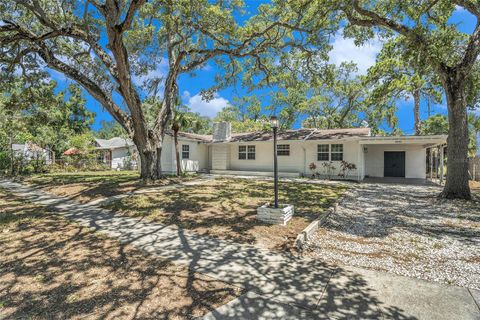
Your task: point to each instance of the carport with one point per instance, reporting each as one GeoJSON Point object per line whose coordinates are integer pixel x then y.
{"type": "Point", "coordinates": [403, 157]}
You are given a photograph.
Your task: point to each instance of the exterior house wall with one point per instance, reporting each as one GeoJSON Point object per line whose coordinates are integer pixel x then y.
{"type": "Point", "coordinates": [221, 156]}
{"type": "Point", "coordinates": [168, 154]}
{"type": "Point", "coordinates": [264, 157]}
{"type": "Point", "coordinates": [366, 153]}
{"type": "Point", "coordinates": [196, 162]}
{"type": "Point", "coordinates": [198, 156]}
{"type": "Point", "coordinates": [351, 154]}
{"type": "Point", "coordinates": [120, 156]}
{"type": "Point", "coordinates": [30, 155]}
{"type": "Point", "coordinates": [302, 153]}
{"type": "Point", "coordinates": [415, 155]}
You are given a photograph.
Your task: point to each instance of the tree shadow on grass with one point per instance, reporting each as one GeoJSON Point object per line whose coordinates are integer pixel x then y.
{"type": "Point", "coordinates": [85, 187]}
{"type": "Point", "coordinates": [227, 208]}
{"type": "Point", "coordinates": [282, 286]}
{"type": "Point", "coordinates": [50, 268]}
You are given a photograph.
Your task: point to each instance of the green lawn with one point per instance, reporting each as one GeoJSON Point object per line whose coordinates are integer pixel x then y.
{"type": "Point", "coordinates": [226, 208]}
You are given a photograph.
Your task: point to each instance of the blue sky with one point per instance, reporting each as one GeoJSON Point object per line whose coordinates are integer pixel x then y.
{"type": "Point", "coordinates": [343, 50]}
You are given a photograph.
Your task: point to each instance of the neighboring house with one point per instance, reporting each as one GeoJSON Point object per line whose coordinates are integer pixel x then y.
{"type": "Point", "coordinates": [118, 153]}
{"type": "Point", "coordinates": [252, 153]}
{"type": "Point", "coordinates": [31, 152]}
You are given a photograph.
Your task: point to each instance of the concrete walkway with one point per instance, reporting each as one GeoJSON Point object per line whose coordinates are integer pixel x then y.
{"type": "Point", "coordinates": [280, 286]}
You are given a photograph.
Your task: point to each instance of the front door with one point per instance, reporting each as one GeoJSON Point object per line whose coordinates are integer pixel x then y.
{"type": "Point", "coordinates": [394, 164]}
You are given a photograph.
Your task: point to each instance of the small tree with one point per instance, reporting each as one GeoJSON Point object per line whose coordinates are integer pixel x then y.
{"type": "Point", "coordinates": [181, 120]}
{"type": "Point", "coordinates": [313, 167]}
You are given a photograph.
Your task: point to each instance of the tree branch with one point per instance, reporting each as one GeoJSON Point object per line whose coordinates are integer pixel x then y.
{"type": "Point", "coordinates": [377, 20]}
{"type": "Point", "coordinates": [471, 52]}
{"type": "Point", "coordinates": [471, 7]}
{"type": "Point", "coordinates": [134, 6]}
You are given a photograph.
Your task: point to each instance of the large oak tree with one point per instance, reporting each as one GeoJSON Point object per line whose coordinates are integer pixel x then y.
{"type": "Point", "coordinates": [425, 29]}
{"type": "Point", "coordinates": [113, 48]}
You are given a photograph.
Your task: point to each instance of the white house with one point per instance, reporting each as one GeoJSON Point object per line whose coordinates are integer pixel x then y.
{"type": "Point", "coordinates": [117, 152]}
{"type": "Point", "coordinates": [252, 153]}
{"type": "Point", "coordinates": [30, 151]}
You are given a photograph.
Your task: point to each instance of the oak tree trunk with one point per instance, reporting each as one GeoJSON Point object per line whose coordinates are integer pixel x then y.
{"type": "Point", "coordinates": [150, 160]}
{"type": "Point", "coordinates": [456, 185]}
{"type": "Point", "coordinates": [416, 110]}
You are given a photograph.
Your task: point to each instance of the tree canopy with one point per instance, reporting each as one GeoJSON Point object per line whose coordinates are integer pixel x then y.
{"type": "Point", "coordinates": [38, 113]}
{"type": "Point", "coordinates": [427, 37]}
{"type": "Point", "coordinates": [107, 46]}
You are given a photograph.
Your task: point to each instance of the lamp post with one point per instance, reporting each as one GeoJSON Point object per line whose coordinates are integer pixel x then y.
{"type": "Point", "coordinates": [274, 126]}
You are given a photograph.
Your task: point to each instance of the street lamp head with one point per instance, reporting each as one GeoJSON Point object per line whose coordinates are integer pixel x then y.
{"type": "Point", "coordinates": [273, 122]}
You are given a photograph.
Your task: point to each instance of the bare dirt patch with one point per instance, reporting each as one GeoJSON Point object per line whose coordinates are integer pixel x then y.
{"type": "Point", "coordinates": [53, 269]}
{"type": "Point", "coordinates": [226, 209]}
{"type": "Point", "coordinates": [85, 187]}
{"type": "Point", "coordinates": [406, 230]}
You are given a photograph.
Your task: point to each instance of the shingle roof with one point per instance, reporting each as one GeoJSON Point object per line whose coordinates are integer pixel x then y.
{"type": "Point", "coordinates": [302, 134]}
{"type": "Point", "coordinates": [191, 136]}
{"type": "Point", "coordinates": [299, 134]}
{"type": "Point", "coordinates": [29, 146]}
{"type": "Point", "coordinates": [113, 143]}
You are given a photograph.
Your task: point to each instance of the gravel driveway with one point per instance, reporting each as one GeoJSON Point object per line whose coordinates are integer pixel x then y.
{"type": "Point", "coordinates": [406, 230]}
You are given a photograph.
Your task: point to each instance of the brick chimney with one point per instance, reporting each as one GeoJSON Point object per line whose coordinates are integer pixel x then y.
{"type": "Point", "coordinates": [222, 131]}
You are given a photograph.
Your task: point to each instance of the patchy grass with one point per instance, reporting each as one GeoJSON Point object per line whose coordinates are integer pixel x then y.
{"type": "Point", "coordinates": [226, 208]}
{"type": "Point", "coordinates": [88, 186]}
{"type": "Point", "coordinates": [53, 269]}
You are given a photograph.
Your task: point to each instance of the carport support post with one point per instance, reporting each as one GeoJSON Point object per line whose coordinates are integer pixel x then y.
{"type": "Point", "coordinates": [431, 163]}
{"type": "Point", "coordinates": [442, 151]}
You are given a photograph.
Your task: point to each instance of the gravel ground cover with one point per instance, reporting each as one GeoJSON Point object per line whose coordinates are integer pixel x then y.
{"type": "Point", "coordinates": [406, 230]}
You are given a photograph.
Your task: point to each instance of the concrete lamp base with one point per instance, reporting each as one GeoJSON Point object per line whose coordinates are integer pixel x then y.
{"type": "Point", "coordinates": [281, 215]}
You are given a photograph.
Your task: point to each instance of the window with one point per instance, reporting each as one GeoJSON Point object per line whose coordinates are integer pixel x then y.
{"type": "Point", "coordinates": [337, 152]}
{"type": "Point", "coordinates": [242, 152]}
{"type": "Point", "coordinates": [251, 153]}
{"type": "Point", "coordinates": [246, 152]}
{"type": "Point", "coordinates": [322, 152]}
{"type": "Point", "coordinates": [185, 151]}
{"type": "Point", "coordinates": [283, 150]}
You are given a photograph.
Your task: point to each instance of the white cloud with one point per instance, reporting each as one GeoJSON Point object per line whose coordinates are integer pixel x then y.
{"type": "Point", "coordinates": [206, 67]}
{"type": "Point", "coordinates": [205, 108]}
{"type": "Point", "coordinates": [345, 50]}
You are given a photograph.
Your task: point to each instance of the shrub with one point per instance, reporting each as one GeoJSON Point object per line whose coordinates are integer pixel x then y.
{"type": "Point", "coordinates": [345, 168]}
{"type": "Point", "coordinates": [313, 167]}
{"type": "Point", "coordinates": [329, 167]}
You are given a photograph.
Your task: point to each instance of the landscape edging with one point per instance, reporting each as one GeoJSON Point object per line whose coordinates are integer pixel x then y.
{"type": "Point", "coordinates": [306, 233]}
